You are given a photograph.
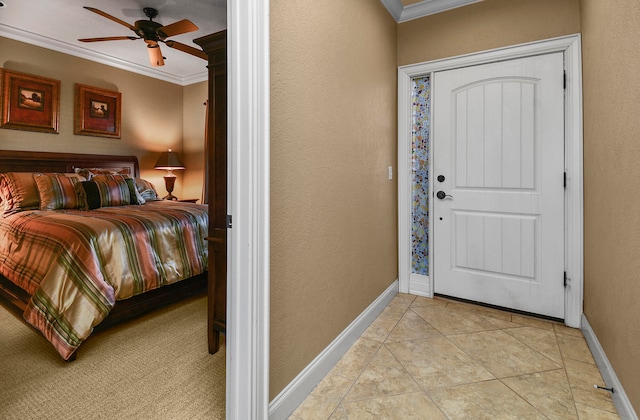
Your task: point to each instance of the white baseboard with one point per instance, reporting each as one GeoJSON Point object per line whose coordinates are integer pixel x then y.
{"type": "Point", "coordinates": [620, 399]}
{"type": "Point", "coordinates": [293, 394]}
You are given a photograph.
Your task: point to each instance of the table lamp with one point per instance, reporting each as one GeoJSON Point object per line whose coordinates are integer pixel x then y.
{"type": "Point", "coordinates": [169, 161]}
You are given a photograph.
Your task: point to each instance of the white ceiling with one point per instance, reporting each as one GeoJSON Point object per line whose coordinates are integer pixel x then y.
{"type": "Point", "coordinates": [57, 25]}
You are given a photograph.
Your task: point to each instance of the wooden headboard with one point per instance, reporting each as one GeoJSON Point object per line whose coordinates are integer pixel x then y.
{"type": "Point", "coordinates": [20, 161]}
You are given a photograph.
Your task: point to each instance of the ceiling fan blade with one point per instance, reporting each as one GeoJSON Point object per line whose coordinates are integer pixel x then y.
{"type": "Point", "coordinates": [108, 38]}
{"type": "Point", "coordinates": [108, 16]}
{"type": "Point", "coordinates": [155, 55]}
{"type": "Point", "coordinates": [186, 48]}
{"type": "Point", "coordinates": [180, 27]}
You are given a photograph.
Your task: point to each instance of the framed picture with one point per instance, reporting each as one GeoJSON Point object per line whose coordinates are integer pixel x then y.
{"type": "Point", "coordinates": [97, 112]}
{"type": "Point", "coordinates": [29, 102]}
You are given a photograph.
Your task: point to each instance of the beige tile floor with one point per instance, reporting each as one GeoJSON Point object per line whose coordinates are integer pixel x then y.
{"type": "Point", "coordinates": [441, 359]}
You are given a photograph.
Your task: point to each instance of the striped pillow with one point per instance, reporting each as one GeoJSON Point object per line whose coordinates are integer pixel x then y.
{"type": "Point", "coordinates": [88, 195]}
{"type": "Point", "coordinates": [136, 197]}
{"type": "Point", "coordinates": [113, 192]}
{"type": "Point", "coordinates": [57, 191]}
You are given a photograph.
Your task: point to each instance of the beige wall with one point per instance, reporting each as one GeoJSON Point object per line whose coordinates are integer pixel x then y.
{"type": "Point", "coordinates": [611, 173]}
{"type": "Point", "coordinates": [485, 25]}
{"type": "Point", "coordinates": [152, 112]}
{"type": "Point", "coordinates": [194, 115]}
{"type": "Point", "coordinates": [333, 209]}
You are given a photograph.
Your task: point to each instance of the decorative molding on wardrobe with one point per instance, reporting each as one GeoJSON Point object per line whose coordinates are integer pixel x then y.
{"type": "Point", "coordinates": [403, 13]}
{"type": "Point", "coordinates": [301, 386]}
{"type": "Point", "coordinates": [620, 399]}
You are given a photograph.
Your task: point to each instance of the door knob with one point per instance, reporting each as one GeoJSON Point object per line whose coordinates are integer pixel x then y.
{"type": "Point", "coordinates": [441, 195]}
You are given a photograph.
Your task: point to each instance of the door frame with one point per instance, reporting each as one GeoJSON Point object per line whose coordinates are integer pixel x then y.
{"type": "Point", "coordinates": [248, 87]}
{"type": "Point", "coordinates": [570, 46]}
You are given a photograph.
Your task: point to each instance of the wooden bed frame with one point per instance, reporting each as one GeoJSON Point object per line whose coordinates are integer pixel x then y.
{"type": "Point", "coordinates": [16, 299]}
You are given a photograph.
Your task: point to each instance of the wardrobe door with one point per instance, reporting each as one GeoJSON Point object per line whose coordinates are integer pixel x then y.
{"type": "Point", "coordinates": [215, 45]}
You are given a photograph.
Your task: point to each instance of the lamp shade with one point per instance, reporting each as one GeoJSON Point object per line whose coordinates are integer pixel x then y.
{"type": "Point", "coordinates": [169, 161]}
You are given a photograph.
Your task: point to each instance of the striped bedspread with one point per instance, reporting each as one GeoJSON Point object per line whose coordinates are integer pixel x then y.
{"type": "Point", "coordinates": [75, 264]}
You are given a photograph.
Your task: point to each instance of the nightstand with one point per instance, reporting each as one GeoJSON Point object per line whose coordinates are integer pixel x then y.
{"type": "Point", "coordinates": [189, 200]}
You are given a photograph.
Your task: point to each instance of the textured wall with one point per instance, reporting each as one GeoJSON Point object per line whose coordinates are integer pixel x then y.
{"type": "Point", "coordinates": [195, 96]}
{"type": "Point", "coordinates": [611, 173]}
{"type": "Point", "coordinates": [333, 209]}
{"type": "Point", "coordinates": [152, 110]}
{"type": "Point", "coordinates": [483, 26]}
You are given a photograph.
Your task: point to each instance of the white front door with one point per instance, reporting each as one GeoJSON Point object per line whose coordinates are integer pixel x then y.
{"type": "Point", "coordinates": [498, 157]}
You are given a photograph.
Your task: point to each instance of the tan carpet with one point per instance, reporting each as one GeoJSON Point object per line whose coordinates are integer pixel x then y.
{"type": "Point", "coordinates": [154, 367]}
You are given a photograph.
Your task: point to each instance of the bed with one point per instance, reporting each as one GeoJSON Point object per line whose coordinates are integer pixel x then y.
{"type": "Point", "coordinates": [95, 265]}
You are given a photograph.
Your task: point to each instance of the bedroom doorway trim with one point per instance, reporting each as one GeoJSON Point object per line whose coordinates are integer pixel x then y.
{"type": "Point", "coordinates": [570, 46]}
{"type": "Point", "coordinates": [248, 203]}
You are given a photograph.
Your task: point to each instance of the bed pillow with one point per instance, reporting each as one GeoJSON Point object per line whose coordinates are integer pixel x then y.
{"type": "Point", "coordinates": [91, 193]}
{"type": "Point", "coordinates": [57, 191]}
{"type": "Point", "coordinates": [146, 189]}
{"type": "Point", "coordinates": [113, 192]}
{"type": "Point", "coordinates": [135, 196]}
{"type": "Point", "coordinates": [78, 177]}
{"type": "Point", "coordinates": [18, 192]}
{"type": "Point", "coordinates": [88, 194]}
{"type": "Point", "coordinates": [89, 173]}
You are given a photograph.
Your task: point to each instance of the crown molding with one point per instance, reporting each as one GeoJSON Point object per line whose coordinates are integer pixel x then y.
{"type": "Point", "coordinates": [403, 13]}
{"type": "Point", "coordinates": [63, 47]}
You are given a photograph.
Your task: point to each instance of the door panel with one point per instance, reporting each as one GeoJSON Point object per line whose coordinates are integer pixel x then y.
{"type": "Point", "coordinates": [499, 142]}
{"type": "Point", "coordinates": [494, 243]}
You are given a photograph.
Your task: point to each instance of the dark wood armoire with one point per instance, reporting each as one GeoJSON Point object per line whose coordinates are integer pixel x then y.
{"type": "Point", "coordinates": [215, 45]}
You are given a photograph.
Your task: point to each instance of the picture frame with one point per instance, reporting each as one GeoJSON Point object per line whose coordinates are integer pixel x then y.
{"type": "Point", "coordinates": [29, 102]}
{"type": "Point", "coordinates": [97, 112]}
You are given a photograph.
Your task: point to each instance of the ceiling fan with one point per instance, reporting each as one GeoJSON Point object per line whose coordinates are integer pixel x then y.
{"type": "Point", "coordinates": [152, 33]}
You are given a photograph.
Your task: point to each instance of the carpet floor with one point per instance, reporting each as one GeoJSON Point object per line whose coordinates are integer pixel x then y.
{"type": "Point", "coordinates": [154, 367]}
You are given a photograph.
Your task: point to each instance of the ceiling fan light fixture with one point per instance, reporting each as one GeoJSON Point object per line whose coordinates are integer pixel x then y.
{"type": "Point", "coordinates": [155, 55]}
{"type": "Point", "coordinates": [152, 33]}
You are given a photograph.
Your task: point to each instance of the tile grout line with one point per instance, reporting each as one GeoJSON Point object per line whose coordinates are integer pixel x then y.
{"type": "Point", "coordinates": [564, 366]}
{"type": "Point", "coordinates": [382, 343]}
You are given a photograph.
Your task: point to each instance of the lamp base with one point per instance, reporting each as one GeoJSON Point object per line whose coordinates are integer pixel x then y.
{"type": "Point", "coordinates": [169, 182]}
